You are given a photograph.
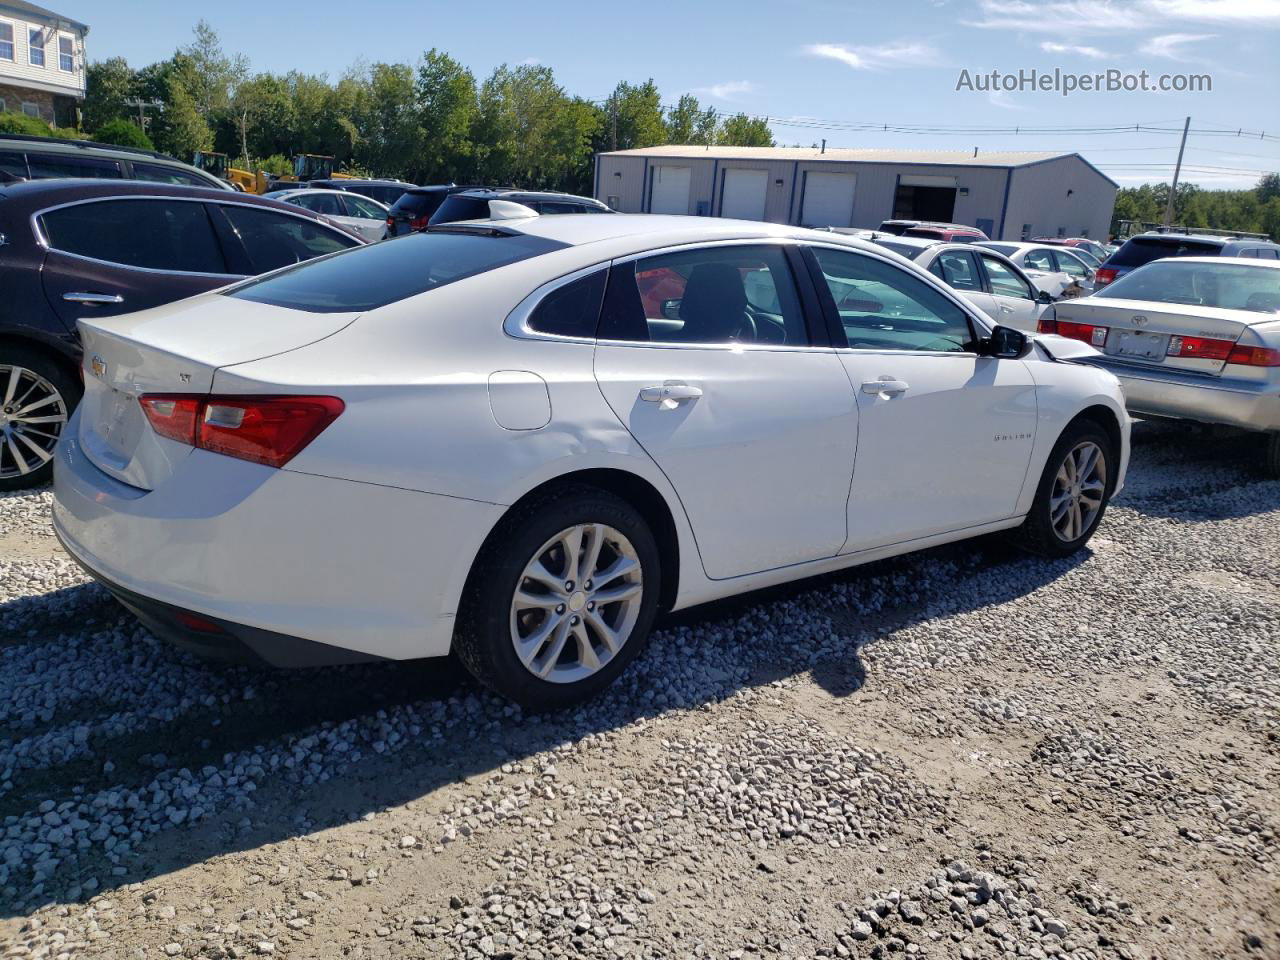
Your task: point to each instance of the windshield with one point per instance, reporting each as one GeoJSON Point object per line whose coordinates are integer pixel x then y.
{"type": "Point", "coordinates": [904, 249]}
{"type": "Point", "coordinates": [1229, 285]}
{"type": "Point", "coordinates": [383, 273]}
{"type": "Point", "coordinates": [1140, 250]}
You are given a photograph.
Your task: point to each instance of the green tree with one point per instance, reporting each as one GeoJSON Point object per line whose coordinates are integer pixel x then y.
{"type": "Point", "coordinates": [214, 73]}
{"type": "Point", "coordinates": [689, 122]}
{"type": "Point", "coordinates": [108, 84]}
{"type": "Point", "coordinates": [261, 117]}
{"type": "Point", "coordinates": [22, 124]}
{"type": "Point", "coordinates": [635, 117]}
{"type": "Point", "coordinates": [182, 128]}
{"type": "Point", "coordinates": [743, 131]}
{"type": "Point", "coordinates": [1268, 187]}
{"type": "Point", "coordinates": [392, 137]}
{"type": "Point", "coordinates": [447, 105]}
{"type": "Point", "coordinates": [123, 133]}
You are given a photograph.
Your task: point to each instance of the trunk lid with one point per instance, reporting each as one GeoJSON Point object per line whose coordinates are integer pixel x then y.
{"type": "Point", "coordinates": [176, 348]}
{"type": "Point", "coordinates": [1141, 331]}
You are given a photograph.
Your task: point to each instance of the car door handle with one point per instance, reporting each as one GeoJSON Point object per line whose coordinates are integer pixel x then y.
{"type": "Point", "coordinates": [1005, 308]}
{"type": "Point", "coordinates": [93, 299]}
{"type": "Point", "coordinates": [674, 391]}
{"type": "Point", "coordinates": [888, 386]}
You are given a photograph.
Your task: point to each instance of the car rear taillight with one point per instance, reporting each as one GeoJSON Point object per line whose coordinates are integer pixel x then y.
{"type": "Point", "coordinates": [1199, 348]}
{"type": "Point", "coordinates": [1090, 334]}
{"type": "Point", "coordinates": [1104, 275]}
{"type": "Point", "coordinates": [420, 223]}
{"type": "Point", "coordinates": [1254, 356]}
{"type": "Point", "coordinates": [268, 430]}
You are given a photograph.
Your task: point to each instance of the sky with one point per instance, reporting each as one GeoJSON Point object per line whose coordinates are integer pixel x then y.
{"type": "Point", "coordinates": [833, 69]}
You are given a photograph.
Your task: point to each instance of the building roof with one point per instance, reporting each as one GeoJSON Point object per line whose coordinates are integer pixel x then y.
{"type": "Point", "coordinates": [26, 9]}
{"type": "Point", "coordinates": [969, 158]}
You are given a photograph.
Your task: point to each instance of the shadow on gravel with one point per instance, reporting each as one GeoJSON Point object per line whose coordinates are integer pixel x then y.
{"type": "Point", "coordinates": [1198, 474]}
{"type": "Point", "coordinates": [233, 713]}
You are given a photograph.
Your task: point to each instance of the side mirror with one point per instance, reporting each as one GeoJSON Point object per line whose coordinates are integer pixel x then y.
{"type": "Point", "coordinates": [1044, 296]}
{"type": "Point", "coordinates": [1005, 343]}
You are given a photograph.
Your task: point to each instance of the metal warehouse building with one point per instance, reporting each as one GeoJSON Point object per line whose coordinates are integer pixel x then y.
{"type": "Point", "coordinates": [1008, 195]}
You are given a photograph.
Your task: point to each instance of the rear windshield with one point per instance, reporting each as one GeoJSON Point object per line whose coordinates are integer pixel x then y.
{"type": "Point", "coordinates": [1229, 283]}
{"type": "Point", "coordinates": [1007, 249]}
{"type": "Point", "coordinates": [369, 277]}
{"type": "Point", "coordinates": [414, 204]}
{"type": "Point", "coordinates": [1141, 250]}
{"type": "Point", "coordinates": [458, 207]}
{"type": "Point", "coordinates": [383, 193]}
{"type": "Point", "coordinates": [906, 250]}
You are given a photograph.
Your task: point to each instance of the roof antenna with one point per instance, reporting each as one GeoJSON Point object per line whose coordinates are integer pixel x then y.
{"type": "Point", "coordinates": [975, 151]}
{"type": "Point", "coordinates": [824, 145]}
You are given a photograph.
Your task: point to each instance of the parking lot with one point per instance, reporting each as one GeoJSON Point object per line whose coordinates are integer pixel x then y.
{"type": "Point", "coordinates": [961, 753]}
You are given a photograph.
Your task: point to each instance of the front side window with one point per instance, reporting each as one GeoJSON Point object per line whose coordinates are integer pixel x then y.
{"type": "Point", "coordinates": [884, 307]}
{"type": "Point", "coordinates": [159, 173]}
{"type": "Point", "coordinates": [51, 165]}
{"type": "Point", "coordinates": [1004, 282]}
{"type": "Point", "coordinates": [35, 47]}
{"type": "Point", "coordinates": [318, 202]}
{"type": "Point", "coordinates": [711, 295]}
{"type": "Point", "coordinates": [12, 163]}
{"type": "Point", "coordinates": [1071, 266]}
{"type": "Point", "coordinates": [956, 269]}
{"type": "Point", "coordinates": [66, 55]}
{"type": "Point", "coordinates": [272, 240]}
{"type": "Point", "coordinates": [152, 234]}
{"type": "Point", "coordinates": [6, 40]}
{"type": "Point", "coordinates": [358, 206]}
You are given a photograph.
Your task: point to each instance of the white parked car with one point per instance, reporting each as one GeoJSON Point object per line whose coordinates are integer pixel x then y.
{"type": "Point", "coordinates": [361, 215]}
{"type": "Point", "coordinates": [1059, 271]}
{"type": "Point", "coordinates": [1191, 338]}
{"type": "Point", "coordinates": [988, 280]}
{"type": "Point", "coordinates": [520, 439]}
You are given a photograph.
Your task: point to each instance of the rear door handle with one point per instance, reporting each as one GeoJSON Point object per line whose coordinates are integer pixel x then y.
{"type": "Point", "coordinates": [673, 390]}
{"type": "Point", "coordinates": [1005, 308]}
{"type": "Point", "coordinates": [93, 298]}
{"type": "Point", "coordinates": [888, 386]}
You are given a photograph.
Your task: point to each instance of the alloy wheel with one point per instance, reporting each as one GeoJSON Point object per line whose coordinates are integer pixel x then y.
{"type": "Point", "coordinates": [576, 603]}
{"type": "Point", "coordinates": [32, 416]}
{"type": "Point", "coordinates": [1078, 491]}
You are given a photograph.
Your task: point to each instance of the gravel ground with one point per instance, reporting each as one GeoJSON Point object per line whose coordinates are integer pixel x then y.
{"type": "Point", "coordinates": [964, 753]}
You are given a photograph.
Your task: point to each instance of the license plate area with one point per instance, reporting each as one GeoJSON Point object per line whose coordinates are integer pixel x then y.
{"type": "Point", "coordinates": [1134, 343]}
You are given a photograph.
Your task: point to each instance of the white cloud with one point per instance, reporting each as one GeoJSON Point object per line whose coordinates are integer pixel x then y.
{"type": "Point", "coordinates": [1093, 53]}
{"type": "Point", "coordinates": [1170, 46]}
{"type": "Point", "coordinates": [886, 56]}
{"type": "Point", "coordinates": [998, 98]}
{"type": "Point", "coordinates": [1114, 16]}
{"type": "Point", "coordinates": [727, 90]}
{"type": "Point", "coordinates": [529, 62]}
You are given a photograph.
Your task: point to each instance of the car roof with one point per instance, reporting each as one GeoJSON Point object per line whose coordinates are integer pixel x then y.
{"type": "Point", "coordinates": [369, 181]}
{"type": "Point", "coordinates": [500, 192]}
{"type": "Point", "coordinates": [65, 145]}
{"type": "Point", "coordinates": [1179, 237]}
{"type": "Point", "coordinates": [1220, 261]}
{"type": "Point", "coordinates": [38, 194]}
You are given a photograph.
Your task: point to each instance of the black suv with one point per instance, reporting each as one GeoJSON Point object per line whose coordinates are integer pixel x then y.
{"type": "Point", "coordinates": [1140, 250]}
{"type": "Point", "coordinates": [41, 158]}
{"type": "Point", "coordinates": [413, 210]}
{"type": "Point", "coordinates": [95, 248]}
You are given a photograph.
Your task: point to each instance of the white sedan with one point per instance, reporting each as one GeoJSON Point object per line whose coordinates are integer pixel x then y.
{"type": "Point", "coordinates": [365, 217]}
{"type": "Point", "coordinates": [520, 439]}
{"type": "Point", "coordinates": [1191, 338]}
{"type": "Point", "coordinates": [1059, 271]}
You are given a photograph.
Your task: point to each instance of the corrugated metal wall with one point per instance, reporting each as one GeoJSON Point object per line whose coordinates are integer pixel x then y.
{"type": "Point", "coordinates": [1037, 192]}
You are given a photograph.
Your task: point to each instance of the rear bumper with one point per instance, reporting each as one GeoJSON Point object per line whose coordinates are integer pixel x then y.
{"type": "Point", "coordinates": [1248, 404]}
{"type": "Point", "coordinates": [281, 561]}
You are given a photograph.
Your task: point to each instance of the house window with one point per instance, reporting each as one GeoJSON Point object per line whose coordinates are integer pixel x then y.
{"type": "Point", "coordinates": [66, 51]}
{"type": "Point", "coordinates": [35, 47]}
{"type": "Point", "coordinates": [2, 104]}
{"type": "Point", "coordinates": [6, 41]}
{"type": "Point", "coordinates": [31, 109]}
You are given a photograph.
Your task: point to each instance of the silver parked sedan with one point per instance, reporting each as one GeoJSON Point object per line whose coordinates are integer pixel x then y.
{"type": "Point", "coordinates": [1192, 338]}
{"type": "Point", "coordinates": [359, 214]}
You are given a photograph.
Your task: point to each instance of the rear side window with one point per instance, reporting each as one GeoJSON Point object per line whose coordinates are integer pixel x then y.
{"type": "Point", "coordinates": [1138, 251]}
{"type": "Point", "coordinates": [153, 234]}
{"type": "Point", "coordinates": [358, 206]}
{"type": "Point", "coordinates": [384, 273]}
{"type": "Point", "coordinates": [159, 173]}
{"type": "Point", "coordinates": [957, 269]}
{"type": "Point", "coordinates": [318, 202]}
{"type": "Point", "coordinates": [415, 205]}
{"type": "Point", "coordinates": [457, 208]}
{"type": "Point", "coordinates": [571, 310]}
{"type": "Point", "coordinates": [49, 165]}
{"type": "Point", "coordinates": [273, 240]}
{"type": "Point", "coordinates": [14, 164]}
{"type": "Point", "coordinates": [383, 194]}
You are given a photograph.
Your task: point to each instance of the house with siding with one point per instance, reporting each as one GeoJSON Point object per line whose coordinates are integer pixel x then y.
{"type": "Point", "coordinates": [42, 62]}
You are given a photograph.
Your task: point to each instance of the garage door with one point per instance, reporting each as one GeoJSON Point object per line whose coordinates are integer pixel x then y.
{"type": "Point", "coordinates": [669, 190]}
{"type": "Point", "coordinates": [742, 195]}
{"type": "Point", "coordinates": [828, 200]}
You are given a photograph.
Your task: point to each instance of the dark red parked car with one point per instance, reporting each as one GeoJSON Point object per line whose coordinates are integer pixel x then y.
{"type": "Point", "coordinates": [94, 248]}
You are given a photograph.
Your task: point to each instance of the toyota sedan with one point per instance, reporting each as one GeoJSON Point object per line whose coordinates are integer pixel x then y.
{"type": "Point", "coordinates": [519, 440]}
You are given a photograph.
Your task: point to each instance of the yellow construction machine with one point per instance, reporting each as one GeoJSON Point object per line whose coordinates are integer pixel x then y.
{"type": "Point", "coordinates": [243, 180]}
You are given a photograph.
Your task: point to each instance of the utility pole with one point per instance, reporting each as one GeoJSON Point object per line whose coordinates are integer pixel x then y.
{"type": "Point", "coordinates": [613, 110]}
{"type": "Point", "coordinates": [1177, 170]}
{"type": "Point", "coordinates": [142, 107]}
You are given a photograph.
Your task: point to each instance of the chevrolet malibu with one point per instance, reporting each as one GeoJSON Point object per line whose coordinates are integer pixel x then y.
{"type": "Point", "coordinates": [520, 439]}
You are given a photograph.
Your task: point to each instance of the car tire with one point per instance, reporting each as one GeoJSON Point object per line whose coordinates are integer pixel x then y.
{"type": "Point", "coordinates": [1061, 519]}
{"type": "Point", "coordinates": [28, 376]}
{"type": "Point", "coordinates": [1271, 454]}
{"type": "Point", "coordinates": [539, 630]}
